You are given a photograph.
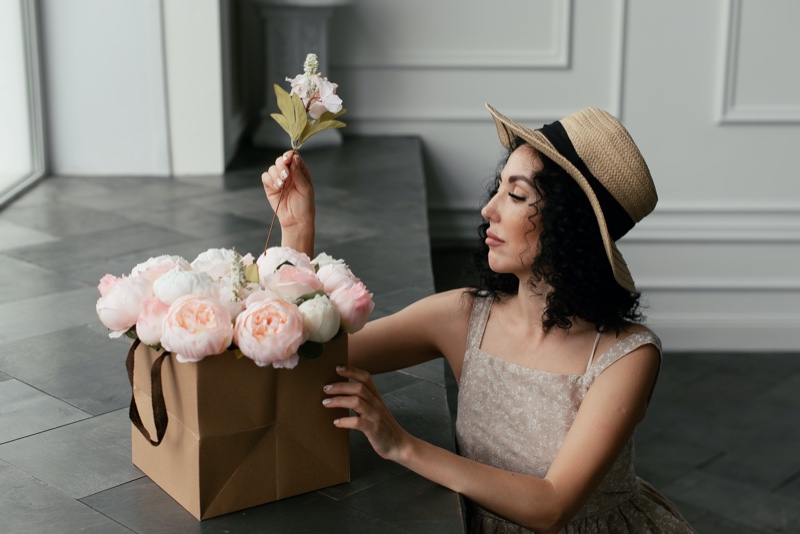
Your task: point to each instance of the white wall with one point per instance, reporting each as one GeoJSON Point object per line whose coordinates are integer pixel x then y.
{"type": "Point", "coordinates": [710, 91]}
{"type": "Point", "coordinates": [133, 87]}
{"type": "Point", "coordinates": [15, 134]}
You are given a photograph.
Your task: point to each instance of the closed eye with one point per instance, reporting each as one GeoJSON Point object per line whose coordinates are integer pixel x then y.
{"type": "Point", "coordinates": [517, 197]}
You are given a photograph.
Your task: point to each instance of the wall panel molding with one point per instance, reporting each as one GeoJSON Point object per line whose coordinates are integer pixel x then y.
{"type": "Point", "coordinates": [734, 111]}
{"type": "Point", "coordinates": [555, 56]}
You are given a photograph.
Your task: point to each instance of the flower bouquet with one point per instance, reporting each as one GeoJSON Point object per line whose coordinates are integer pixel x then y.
{"type": "Point", "coordinates": [245, 414]}
{"type": "Point", "coordinates": [272, 311]}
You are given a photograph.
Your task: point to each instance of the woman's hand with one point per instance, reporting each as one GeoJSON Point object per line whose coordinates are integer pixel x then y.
{"type": "Point", "coordinates": [295, 209]}
{"type": "Point", "coordinates": [372, 417]}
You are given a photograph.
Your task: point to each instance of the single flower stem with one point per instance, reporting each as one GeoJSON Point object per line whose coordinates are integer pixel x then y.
{"type": "Point", "coordinates": [274, 215]}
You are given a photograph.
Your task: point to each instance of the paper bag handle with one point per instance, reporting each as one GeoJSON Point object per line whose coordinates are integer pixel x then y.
{"type": "Point", "coordinates": [160, 416]}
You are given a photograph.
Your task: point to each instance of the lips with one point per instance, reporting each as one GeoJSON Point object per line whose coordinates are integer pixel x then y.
{"type": "Point", "coordinates": [492, 240]}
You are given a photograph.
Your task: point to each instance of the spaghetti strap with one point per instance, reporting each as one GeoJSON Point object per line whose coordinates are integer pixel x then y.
{"type": "Point", "coordinates": [481, 307]}
{"type": "Point", "coordinates": [594, 348]}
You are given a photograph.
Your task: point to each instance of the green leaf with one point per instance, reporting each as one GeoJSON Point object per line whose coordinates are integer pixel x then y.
{"type": "Point", "coordinates": [283, 121]}
{"type": "Point", "coordinates": [310, 349]}
{"type": "Point", "coordinates": [308, 296]}
{"type": "Point", "coordinates": [300, 118]}
{"type": "Point", "coordinates": [329, 116]}
{"type": "Point", "coordinates": [320, 126]}
{"type": "Point", "coordinates": [284, 101]}
{"type": "Point", "coordinates": [251, 273]}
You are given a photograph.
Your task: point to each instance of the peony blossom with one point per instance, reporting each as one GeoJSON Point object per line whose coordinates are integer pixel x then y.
{"type": "Point", "coordinates": [153, 268]}
{"type": "Point", "coordinates": [270, 332]}
{"type": "Point", "coordinates": [335, 276]}
{"type": "Point", "coordinates": [323, 259]}
{"type": "Point", "coordinates": [354, 304]}
{"type": "Point", "coordinates": [293, 282]}
{"type": "Point", "coordinates": [216, 262]}
{"type": "Point", "coordinates": [149, 324]}
{"type": "Point", "coordinates": [196, 327]}
{"type": "Point", "coordinates": [177, 283]}
{"type": "Point", "coordinates": [321, 318]}
{"type": "Point", "coordinates": [118, 306]}
{"type": "Point", "coordinates": [274, 257]}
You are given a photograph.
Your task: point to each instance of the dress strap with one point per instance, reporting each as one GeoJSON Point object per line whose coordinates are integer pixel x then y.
{"type": "Point", "coordinates": [594, 348]}
{"type": "Point", "coordinates": [481, 306]}
{"type": "Point", "coordinates": [621, 348]}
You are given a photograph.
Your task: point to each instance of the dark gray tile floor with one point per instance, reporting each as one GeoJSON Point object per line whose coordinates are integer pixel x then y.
{"type": "Point", "coordinates": [65, 447]}
{"type": "Point", "coordinates": [722, 438]}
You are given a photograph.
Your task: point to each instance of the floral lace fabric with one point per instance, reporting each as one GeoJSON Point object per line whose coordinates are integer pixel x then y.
{"type": "Point", "coordinates": [516, 418]}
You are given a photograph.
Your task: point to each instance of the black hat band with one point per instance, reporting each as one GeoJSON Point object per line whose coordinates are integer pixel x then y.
{"type": "Point", "coordinates": [618, 221]}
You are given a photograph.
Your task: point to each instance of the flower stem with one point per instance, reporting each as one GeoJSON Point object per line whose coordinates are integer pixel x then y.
{"type": "Point", "coordinates": [274, 215]}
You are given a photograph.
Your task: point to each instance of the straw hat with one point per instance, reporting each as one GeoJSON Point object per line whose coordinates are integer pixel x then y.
{"type": "Point", "coordinates": [597, 151]}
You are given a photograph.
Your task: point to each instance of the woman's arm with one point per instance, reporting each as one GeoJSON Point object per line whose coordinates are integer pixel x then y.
{"type": "Point", "coordinates": [615, 403]}
{"type": "Point", "coordinates": [291, 194]}
{"type": "Point", "coordinates": [425, 330]}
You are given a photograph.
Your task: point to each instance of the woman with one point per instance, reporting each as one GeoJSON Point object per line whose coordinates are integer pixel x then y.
{"type": "Point", "coordinates": [554, 373]}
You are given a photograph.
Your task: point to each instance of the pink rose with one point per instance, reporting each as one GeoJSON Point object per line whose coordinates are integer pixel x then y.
{"type": "Point", "coordinates": [107, 282]}
{"type": "Point", "coordinates": [118, 307]}
{"type": "Point", "coordinates": [354, 304]}
{"type": "Point", "coordinates": [335, 276]}
{"type": "Point", "coordinates": [293, 282]}
{"type": "Point", "coordinates": [196, 327]}
{"type": "Point", "coordinates": [274, 257]}
{"type": "Point", "coordinates": [153, 268]}
{"type": "Point", "coordinates": [270, 331]}
{"type": "Point", "coordinates": [151, 316]}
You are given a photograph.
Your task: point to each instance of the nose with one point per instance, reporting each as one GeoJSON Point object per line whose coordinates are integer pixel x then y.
{"type": "Point", "coordinates": [488, 211]}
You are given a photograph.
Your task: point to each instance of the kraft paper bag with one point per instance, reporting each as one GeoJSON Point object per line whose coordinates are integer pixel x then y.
{"type": "Point", "coordinates": [237, 435]}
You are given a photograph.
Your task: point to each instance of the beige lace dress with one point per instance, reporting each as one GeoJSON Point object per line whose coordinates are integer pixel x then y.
{"type": "Point", "coordinates": [516, 418]}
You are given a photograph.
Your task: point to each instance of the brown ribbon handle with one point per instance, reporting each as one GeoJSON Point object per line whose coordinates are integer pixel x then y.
{"type": "Point", "coordinates": [157, 395]}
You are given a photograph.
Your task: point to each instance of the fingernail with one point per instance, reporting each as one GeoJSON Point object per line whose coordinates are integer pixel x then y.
{"type": "Point", "coordinates": [327, 388]}
{"type": "Point", "coordinates": [340, 367]}
{"type": "Point", "coordinates": [335, 421]}
{"type": "Point", "coordinates": [279, 183]}
{"type": "Point", "coordinates": [286, 157]}
{"type": "Point", "coordinates": [325, 402]}
{"type": "Point", "coordinates": [284, 174]}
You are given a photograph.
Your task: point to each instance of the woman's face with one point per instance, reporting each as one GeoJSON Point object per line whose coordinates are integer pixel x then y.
{"type": "Point", "coordinates": [512, 237]}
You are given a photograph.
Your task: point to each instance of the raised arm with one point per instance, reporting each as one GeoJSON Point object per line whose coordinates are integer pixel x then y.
{"type": "Point", "coordinates": [291, 194]}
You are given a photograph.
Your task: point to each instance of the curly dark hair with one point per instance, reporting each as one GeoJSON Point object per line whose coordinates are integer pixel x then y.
{"type": "Point", "coordinates": [571, 258]}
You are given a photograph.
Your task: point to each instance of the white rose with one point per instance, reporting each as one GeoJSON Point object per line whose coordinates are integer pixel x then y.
{"type": "Point", "coordinates": [274, 257]}
{"type": "Point", "coordinates": [177, 283]}
{"type": "Point", "coordinates": [323, 259]}
{"type": "Point", "coordinates": [214, 261]}
{"type": "Point", "coordinates": [320, 318]}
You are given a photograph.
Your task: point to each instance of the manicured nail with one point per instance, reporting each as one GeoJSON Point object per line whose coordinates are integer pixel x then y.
{"type": "Point", "coordinates": [336, 422]}
{"type": "Point", "coordinates": [340, 367]}
{"type": "Point", "coordinates": [286, 157]}
{"type": "Point", "coordinates": [284, 174]}
{"type": "Point", "coordinates": [325, 402]}
{"type": "Point", "coordinates": [327, 388]}
{"type": "Point", "coordinates": [279, 183]}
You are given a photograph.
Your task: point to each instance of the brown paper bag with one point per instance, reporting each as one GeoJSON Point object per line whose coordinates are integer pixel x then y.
{"type": "Point", "coordinates": [238, 435]}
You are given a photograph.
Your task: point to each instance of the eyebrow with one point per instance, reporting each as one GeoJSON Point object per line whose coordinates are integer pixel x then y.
{"type": "Point", "coordinates": [516, 177]}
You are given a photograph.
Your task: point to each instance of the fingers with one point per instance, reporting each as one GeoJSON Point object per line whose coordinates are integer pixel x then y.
{"type": "Point", "coordinates": [288, 167]}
